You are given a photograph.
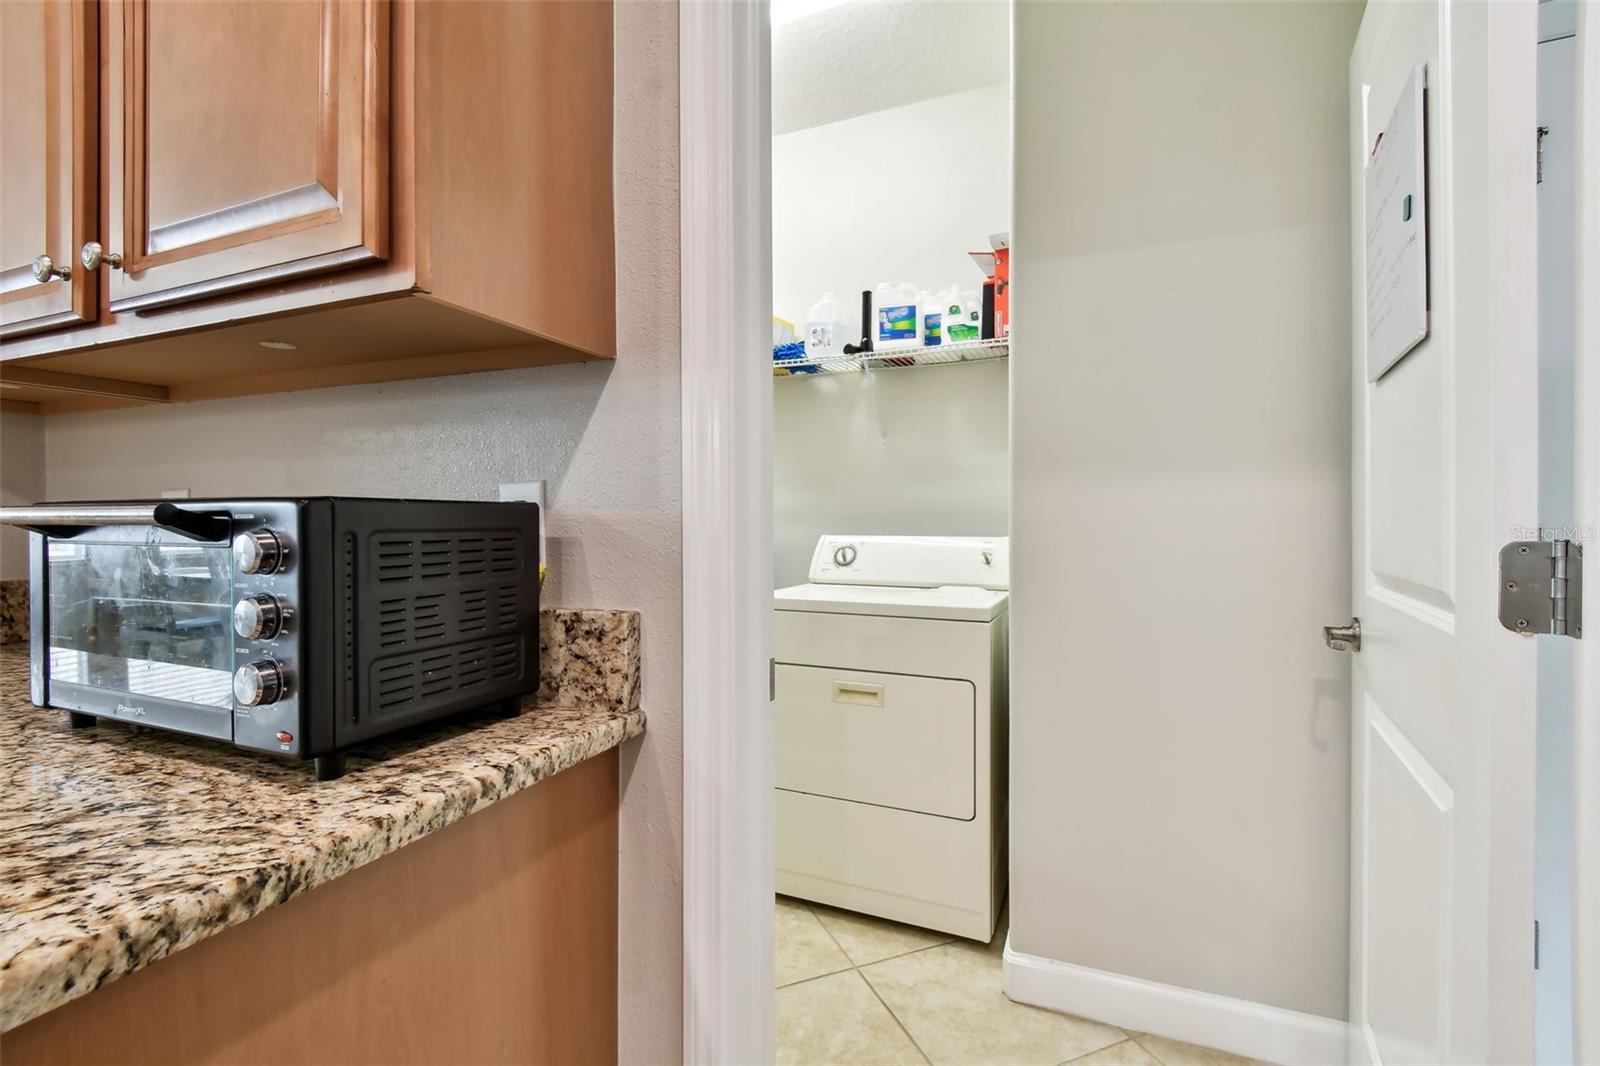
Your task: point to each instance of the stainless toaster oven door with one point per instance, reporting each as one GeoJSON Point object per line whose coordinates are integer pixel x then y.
{"type": "Point", "coordinates": [139, 624]}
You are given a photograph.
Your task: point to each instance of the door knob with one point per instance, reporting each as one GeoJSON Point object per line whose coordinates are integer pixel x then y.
{"type": "Point", "coordinates": [45, 270]}
{"type": "Point", "coordinates": [1343, 638]}
{"type": "Point", "coordinates": [94, 253]}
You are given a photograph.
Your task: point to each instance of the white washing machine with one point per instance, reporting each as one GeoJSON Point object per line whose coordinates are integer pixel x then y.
{"type": "Point", "coordinates": [891, 701]}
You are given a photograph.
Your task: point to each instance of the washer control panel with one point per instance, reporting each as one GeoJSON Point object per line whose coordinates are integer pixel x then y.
{"type": "Point", "coordinates": [912, 562]}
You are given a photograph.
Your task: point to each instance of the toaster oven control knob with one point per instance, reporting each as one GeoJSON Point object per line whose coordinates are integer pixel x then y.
{"type": "Point", "coordinates": [257, 683]}
{"type": "Point", "coordinates": [259, 551]}
{"type": "Point", "coordinates": [258, 617]}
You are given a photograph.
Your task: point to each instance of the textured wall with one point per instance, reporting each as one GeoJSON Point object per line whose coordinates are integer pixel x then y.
{"type": "Point", "coordinates": [1181, 495]}
{"type": "Point", "coordinates": [21, 482]}
{"type": "Point", "coordinates": [605, 436]}
{"type": "Point", "coordinates": [868, 55]}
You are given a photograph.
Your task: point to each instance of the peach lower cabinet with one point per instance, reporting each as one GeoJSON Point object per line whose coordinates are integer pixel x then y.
{"type": "Point", "coordinates": [494, 940]}
{"type": "Point", "coordinates": [451, 899]}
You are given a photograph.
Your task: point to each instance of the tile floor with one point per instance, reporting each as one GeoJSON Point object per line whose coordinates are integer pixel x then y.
{"type": "Point", "coordinates": [853, 989]}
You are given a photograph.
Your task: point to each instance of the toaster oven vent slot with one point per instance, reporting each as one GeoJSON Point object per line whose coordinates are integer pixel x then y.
{"type": "Point", "coordinates": [434, 556]}
{"type": "Point", "coordinates": [394, 558]}
{"type": "Point", "coordinates": [402, 683]}
{"type": "Point", "coordinates": [474, 611]}
{"type": "Point", "coordinates": [435, 674]}
{"type": "Point", "coordinates": [399, 557]}
{"type": "Point", "coordinates": [503, 660]}
{"type": "Point", "coordinates": [425, 621]}
{"type": "Point", "coordinates": [438, 617]}
{"type": "Point", "coordinates": [391, 623]}
{"type": "Point", "coordinates": [471, 556]}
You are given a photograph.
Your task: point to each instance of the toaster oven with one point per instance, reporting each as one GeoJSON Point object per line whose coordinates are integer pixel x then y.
{"type": "Point", "coordinates": [300, 627]}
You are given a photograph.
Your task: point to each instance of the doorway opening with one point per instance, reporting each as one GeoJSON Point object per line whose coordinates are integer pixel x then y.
{"type": "Point", "coordinates": [891, 207]}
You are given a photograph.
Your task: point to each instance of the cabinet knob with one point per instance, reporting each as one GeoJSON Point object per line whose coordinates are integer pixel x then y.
{"type": "Point", "coordinates": [45, 270]}
{"type": "Point", "coordinates": [94, 253]}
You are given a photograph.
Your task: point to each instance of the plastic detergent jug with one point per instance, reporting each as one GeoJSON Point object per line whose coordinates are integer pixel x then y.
{"type": "Point", "coordinates": [825, 334]}
{"type": "Point", "coordinates": [932, 319]}
{"type": "Point", "coordinates": [899, 325]}
{"type": "Point", "coordinates": [963, 315]}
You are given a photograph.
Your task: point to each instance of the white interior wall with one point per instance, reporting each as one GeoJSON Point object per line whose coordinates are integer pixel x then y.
{"type": "Point", "coordinates": [606, 438]}
{"type": "Point", "coordinates": [21, 483]}
{"type": "Point", "coordinates": [851, 207]}
{"type": "Point", "coordinates": [1558, 515]}
{"type": "Point", "coordinates": [940, 467]}
{"type": "Point", "coordinates": [1181, 495]}
{"type": "Point", "coordinates": [889, 170]}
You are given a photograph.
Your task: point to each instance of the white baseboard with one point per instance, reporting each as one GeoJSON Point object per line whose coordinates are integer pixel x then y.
{"type": "Point", "coordinates": [1222, 1022]}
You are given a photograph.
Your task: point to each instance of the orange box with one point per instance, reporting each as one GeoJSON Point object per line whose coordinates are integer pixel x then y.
{"type": "Point", "coordinates": [996, 266]}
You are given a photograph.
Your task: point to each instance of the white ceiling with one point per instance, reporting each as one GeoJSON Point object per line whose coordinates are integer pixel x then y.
{"type": "Point", "coordinates": [834, 62]}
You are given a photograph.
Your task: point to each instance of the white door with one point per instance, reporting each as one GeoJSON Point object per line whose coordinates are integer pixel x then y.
{"type": "Point", "coordinates": [1445, 472]}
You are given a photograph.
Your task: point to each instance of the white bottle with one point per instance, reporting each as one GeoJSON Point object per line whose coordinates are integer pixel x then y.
{"type": "Point", "coordinates": [932, 309]}
{"type": "Point", "coordinates": [825, 334]}
{"type": "Point", "coordinates": [963, 315]}
{"type": "Point", "coordinates": [897, 318]}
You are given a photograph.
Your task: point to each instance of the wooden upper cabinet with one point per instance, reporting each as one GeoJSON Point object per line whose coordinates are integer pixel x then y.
{"type": "Point", "coordinates": [48, 180]}
{"type": "Point", "coordinates": [292, 194]}
{"type": "Point", "coordinates": [249, 143]}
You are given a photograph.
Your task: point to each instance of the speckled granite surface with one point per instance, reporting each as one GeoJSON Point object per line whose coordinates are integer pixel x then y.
{"type": "Point", "coordinates": [119, 848]}
{"type": "Point", "coordinates": [13, 611]}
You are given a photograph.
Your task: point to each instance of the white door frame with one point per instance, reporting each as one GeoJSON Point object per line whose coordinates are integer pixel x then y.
{"type": "Point", "coordinates": [1586, 719]}
{"type": "Point", "coordinates": [724, 96]}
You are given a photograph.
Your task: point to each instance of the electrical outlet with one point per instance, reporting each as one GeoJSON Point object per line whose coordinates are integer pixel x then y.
{"type": "Point", "coordinates": [528, 492]}
{"type": "Point", "coordinates": [174, 494]}
{"type": "Point", "coordinates": [523, 492]}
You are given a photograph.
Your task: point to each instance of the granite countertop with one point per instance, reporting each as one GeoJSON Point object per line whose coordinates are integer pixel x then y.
{"type": "Point", "coordinates": [119, 848]}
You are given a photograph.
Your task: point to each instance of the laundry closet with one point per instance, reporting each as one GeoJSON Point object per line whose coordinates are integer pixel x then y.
{"type": "Point", "coordinates": [891, 206]}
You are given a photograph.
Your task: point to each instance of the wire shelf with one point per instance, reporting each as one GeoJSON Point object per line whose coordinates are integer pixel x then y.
{"type": "Point", "coordinates": [937, 355]}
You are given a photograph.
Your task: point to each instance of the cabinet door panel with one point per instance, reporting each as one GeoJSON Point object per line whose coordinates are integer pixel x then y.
{"type": "Point", "coordinates": [48, 191]}
{"type": "Point", "coordinates": [270, 92]}
{"type": "Point", "coordinates": [250, 143]}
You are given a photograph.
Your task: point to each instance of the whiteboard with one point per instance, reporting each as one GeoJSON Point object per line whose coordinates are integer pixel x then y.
{"type": "Point", "coordinates": [1396, 202]}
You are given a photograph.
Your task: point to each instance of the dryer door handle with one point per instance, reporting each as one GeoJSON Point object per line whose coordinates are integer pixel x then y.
{"type": "Point", "coordinates": [862, 695]}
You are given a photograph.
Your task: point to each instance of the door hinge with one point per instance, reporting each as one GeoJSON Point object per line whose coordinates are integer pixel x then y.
{"type": "Point", "coordinates": [1536, 943]}
{"type": "Point", "coordinates": [1538, 155]}
{"type": "Point", "coordinates": [1541, 587]}
{"type": "Point", "coordinates": [772, 680]}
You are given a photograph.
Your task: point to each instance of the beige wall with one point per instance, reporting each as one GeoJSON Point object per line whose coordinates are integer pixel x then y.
{"type": "Point", "coordinates": [21, 482]}
{"type": "Point", "coordinates": [605, 437]}
{"type": "Point", "coordinates": [938, 465]}
{"type": "Point", "coordinates": [1180, 514]}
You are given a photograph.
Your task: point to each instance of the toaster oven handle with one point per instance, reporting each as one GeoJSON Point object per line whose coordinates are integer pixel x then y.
{"type": "Point", "coordinates": [69, 519]}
